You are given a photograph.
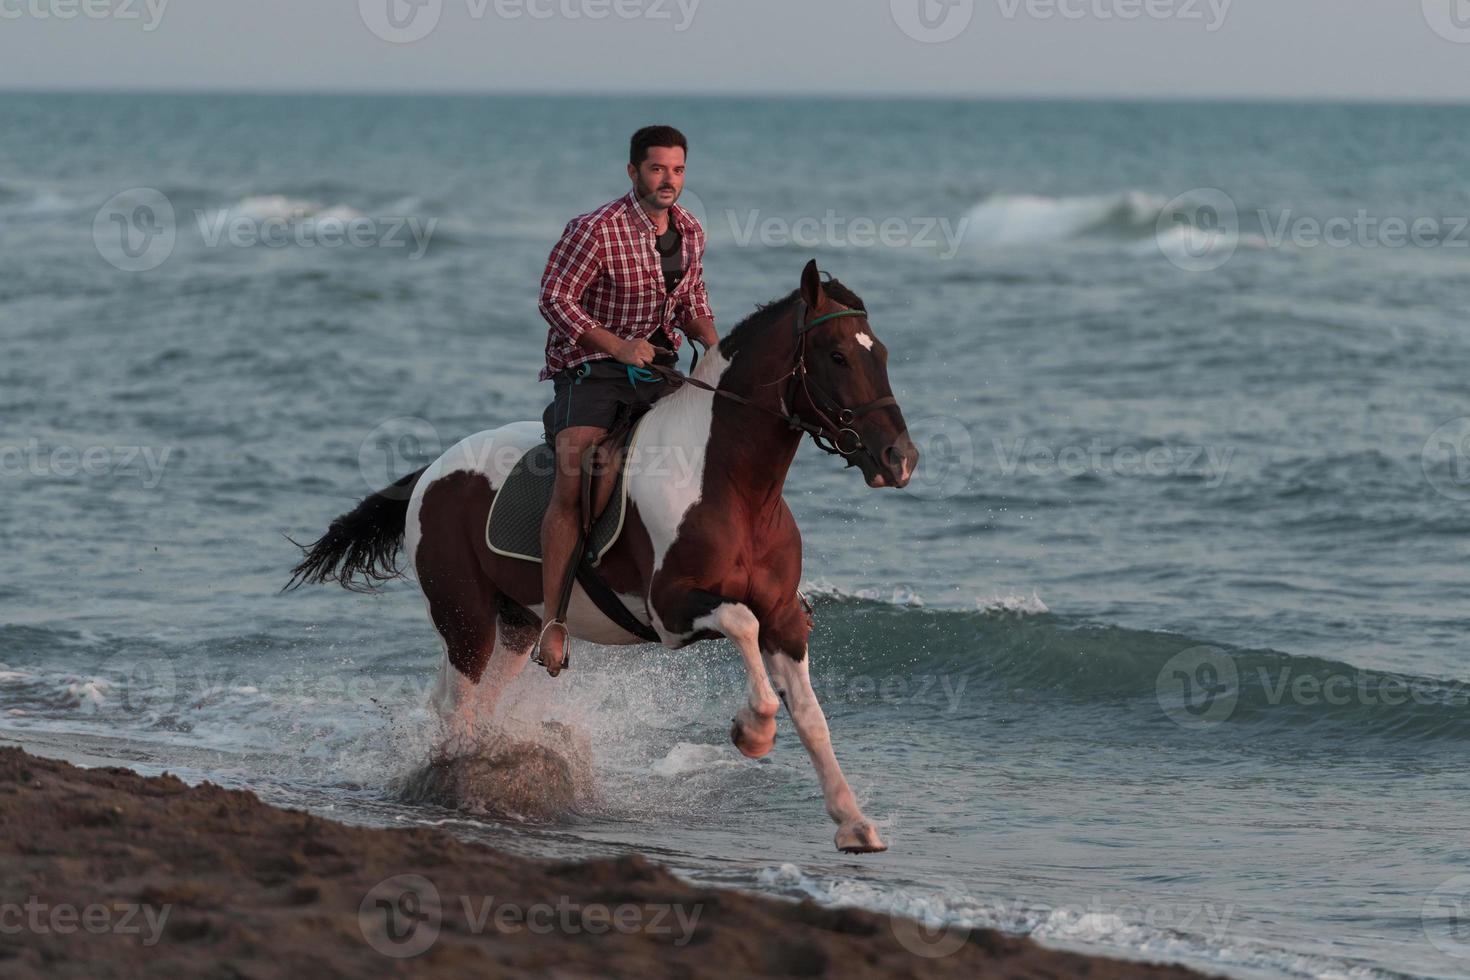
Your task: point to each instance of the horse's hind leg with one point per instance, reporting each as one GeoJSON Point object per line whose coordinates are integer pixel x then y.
{"type": "Point", "coordinates": [464, 613]}
{"type": "Point", "coordinates": [515, 634]}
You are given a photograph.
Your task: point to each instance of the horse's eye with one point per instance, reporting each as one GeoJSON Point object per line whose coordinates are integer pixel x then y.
{"type": "Point", "coordinates": [837, 356]}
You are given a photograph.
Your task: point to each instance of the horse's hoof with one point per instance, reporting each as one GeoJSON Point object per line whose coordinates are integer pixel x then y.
{"type": "Point", "coordinates": [859, 837]}
{"type": "Point", "coordinates": [752, 743]}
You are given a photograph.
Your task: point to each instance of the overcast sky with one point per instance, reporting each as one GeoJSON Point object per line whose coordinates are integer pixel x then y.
{"type": "Point", "coordinates": [1352, 49]}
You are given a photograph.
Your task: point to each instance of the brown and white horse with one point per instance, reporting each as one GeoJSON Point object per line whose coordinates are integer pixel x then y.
{"type": "Point", "coordinates": [709, 548]}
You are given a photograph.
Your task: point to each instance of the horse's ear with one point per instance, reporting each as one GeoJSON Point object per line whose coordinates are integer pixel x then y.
{"type": "Point", "coordinates": [811, 286]}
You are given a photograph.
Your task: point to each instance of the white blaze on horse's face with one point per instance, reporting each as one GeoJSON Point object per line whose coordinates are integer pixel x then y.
{"type": "Point", "coordinates": [865, 340]}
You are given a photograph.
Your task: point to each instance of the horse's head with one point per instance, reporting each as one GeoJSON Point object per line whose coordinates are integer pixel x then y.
{"type": "Point", "coordinates": [844, 387]}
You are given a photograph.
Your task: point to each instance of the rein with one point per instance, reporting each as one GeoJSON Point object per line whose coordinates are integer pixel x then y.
{"type": "Point", "coordinates": [837, 437]}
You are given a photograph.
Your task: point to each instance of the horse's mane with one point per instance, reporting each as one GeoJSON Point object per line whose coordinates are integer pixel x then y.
{"type": "Point", "coordinates": [768, 313]}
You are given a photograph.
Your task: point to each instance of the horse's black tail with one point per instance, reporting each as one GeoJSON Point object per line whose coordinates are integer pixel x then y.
{"type": "Point", "coordinates": [360, 549]}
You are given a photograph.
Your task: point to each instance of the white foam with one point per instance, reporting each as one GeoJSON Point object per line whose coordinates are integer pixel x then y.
{"type": "Point", "coordinates": [896, 595]}
{"type": "Point", "coordinates": [1027, 219]}
{"type": "Point", "coordinates": [1013, 604]}
{"type": "Point", "coordinates": [687, 757]}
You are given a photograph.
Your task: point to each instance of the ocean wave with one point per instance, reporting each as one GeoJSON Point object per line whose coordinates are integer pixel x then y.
{"type": "Point", "coordinates": [1156, 679]}
{"type": "Point", "coordinates": [1028, 219]}
{"type": "Point", "coordinates": [1131, 216]}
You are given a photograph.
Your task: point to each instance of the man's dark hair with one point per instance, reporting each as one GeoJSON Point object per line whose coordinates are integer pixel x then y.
{"type": "Point", "coordinates": [654, 136]}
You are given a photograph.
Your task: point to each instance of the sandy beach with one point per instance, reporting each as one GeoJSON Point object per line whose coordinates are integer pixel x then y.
{"type": "Point", "coordinates": [109, 873]}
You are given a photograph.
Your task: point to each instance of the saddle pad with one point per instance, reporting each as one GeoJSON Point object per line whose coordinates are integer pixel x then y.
{"type": "Point", "coordinates": [513, 528]}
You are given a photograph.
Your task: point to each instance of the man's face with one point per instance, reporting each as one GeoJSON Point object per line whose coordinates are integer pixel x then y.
{"type": "Point", "coordinates": [659, 180]}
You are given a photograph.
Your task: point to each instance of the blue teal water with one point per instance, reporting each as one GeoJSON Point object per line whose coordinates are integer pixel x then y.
{"type": "Point", "coordinates": [1162, 655]}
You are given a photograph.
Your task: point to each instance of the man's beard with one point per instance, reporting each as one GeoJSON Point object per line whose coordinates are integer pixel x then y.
{"type": "Point", "coordinates": [649, 195]}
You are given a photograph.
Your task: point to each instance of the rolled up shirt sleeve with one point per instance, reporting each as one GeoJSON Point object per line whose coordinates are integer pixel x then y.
{"type": "Point", "coordinates": [575, 262]}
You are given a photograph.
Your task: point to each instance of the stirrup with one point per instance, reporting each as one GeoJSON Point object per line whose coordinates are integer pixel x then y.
{"type": "Point", "coordinates": [566, 649]}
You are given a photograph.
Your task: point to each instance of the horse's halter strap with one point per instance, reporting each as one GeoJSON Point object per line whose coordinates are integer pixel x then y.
{"type": "Point", "coordinates": [833, 436]}
{"type": "Point", "coordinates": [841, 438]}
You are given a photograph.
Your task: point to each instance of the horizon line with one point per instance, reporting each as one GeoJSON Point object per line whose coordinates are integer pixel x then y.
{"type": "Point", "coordinates": [1082, 97]}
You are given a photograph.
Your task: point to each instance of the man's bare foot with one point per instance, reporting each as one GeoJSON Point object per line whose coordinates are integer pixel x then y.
{"type": "Point", "coordinates": [550, 650]}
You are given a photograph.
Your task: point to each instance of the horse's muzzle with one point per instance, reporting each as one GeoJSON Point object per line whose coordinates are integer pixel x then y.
{"type": "Point", "coordinates": [897, 463]}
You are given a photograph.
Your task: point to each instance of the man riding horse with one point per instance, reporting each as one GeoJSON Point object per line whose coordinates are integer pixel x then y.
{"type": "Point", "coordinates": [619, 282]}
{"type": "Point", "coordinates": [712, 551]}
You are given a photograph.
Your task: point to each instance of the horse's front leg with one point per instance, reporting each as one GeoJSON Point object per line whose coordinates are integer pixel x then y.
{"type": "Point", "coordinates": [792, 676]}
{"type": "Point", "coordinates": [753, 729]}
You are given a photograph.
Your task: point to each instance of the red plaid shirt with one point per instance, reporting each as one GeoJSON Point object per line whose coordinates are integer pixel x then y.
{"type": "Point", "coordinates": [605, 272]}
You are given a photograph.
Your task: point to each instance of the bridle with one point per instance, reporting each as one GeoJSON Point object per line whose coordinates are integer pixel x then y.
{"type": "Point", "coordinates": [832, 435]}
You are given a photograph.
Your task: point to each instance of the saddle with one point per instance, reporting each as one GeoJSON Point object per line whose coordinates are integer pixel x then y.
{"type": "Point", "coordinates": [513, 527]}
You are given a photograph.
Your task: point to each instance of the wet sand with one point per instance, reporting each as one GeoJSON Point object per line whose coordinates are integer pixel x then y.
{"type": "Point", "coordinates": [109, 873]}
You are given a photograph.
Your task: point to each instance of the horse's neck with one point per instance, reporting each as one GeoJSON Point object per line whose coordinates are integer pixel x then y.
{"type": "Point", "coordinates": [753, 448]}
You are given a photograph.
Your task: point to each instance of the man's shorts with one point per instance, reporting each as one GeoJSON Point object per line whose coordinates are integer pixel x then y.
{"type": "Point", "coordinates": [602, 393]}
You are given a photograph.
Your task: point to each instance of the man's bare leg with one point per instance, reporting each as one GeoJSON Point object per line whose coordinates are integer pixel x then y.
{"type": "Point", "coordinates": [559, 535]}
